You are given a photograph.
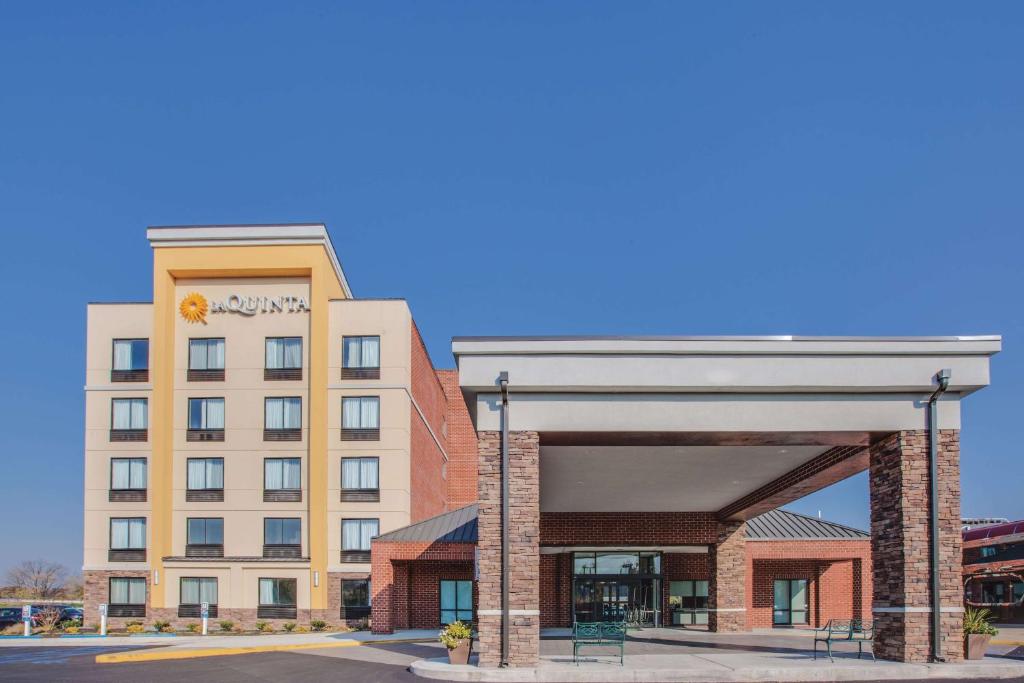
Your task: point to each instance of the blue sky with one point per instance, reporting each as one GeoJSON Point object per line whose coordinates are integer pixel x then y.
{"type": "Point", "coordinates": [606, 168]}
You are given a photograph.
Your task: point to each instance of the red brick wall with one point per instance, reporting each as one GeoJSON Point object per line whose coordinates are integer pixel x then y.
{"type": "Point", "coordinates": [424, 602]}
{"type": "Point", "coordinates": [462, 445]}
{"type": "Point", "coordinates": [632, 528]}
{"type": "Point", "coordinates": [426, 459]}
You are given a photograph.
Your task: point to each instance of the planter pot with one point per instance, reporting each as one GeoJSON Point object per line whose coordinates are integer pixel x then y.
{"type": "Point", "coordinates": [975, 645]}
{"type": "Point", "coordinates": [460, 655]}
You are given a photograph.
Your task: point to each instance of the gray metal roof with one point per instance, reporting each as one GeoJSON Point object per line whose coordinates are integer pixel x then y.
{"type": "Point", "coordinates": [790, 526]}
{"type": "Point", "coordinates": [457, 526]}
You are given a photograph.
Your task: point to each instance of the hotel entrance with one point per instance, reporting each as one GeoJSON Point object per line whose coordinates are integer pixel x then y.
{"type": "Point", "coordinates": [617, 586]}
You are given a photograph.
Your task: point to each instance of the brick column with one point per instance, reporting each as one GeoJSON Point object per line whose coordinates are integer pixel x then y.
{"type": "Point", "coordinates": [900, 546]}
{"type": "Point", "coordinates": [524, 556]}
{"type": "Point", "coordinates": [727, 588]}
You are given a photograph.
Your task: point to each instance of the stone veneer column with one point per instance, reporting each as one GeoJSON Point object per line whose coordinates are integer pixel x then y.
{"type": "Point", "coordinates": [727, 603]}
{"type": "Point", "coordinates": [524, 552]}
{"type": "Point", "coordinates": [900, 546]}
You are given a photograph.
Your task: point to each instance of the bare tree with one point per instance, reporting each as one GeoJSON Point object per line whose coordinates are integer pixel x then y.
{"type": "Point", "coordinates": [38, 578]}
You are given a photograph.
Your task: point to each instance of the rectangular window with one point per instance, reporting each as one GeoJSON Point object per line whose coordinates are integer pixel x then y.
{"type": "Point", "coordinates": [205, 419]}
{"type": "Point", "coordinates": [127, 597]}
{"type": "Point", "coordinates": [282, 418]}
{"type": "Point", "coordinates": [360, 418]}
{"type": "Point", "coordinates": [355, 598]}
{"type": "Point", "coordinates": [277, 599]}
{"type": "Point", "coordinates": [688, 602]}
{"type": "Point", "coordinates": [131, 360]}
{"type": "Point", "coordinates": [282, 537]}
{"type": "Point", "coordinates": [282, 480]}
{"type": "Point", "coordinates": [204, 537]}
{"type": "Point", "coordinates": [356, 535]}
{"type": "Point", "coordinates": [127, 479]}
{"type": "Point", "coordinates": [359, 480]}
{"type": "Point", "coordinates": [205, 480]}
{"type": "Point", "coordinates": [456, 601]}
{"type": "Point", "coordinates": [360, 358]}
{"type": "Point", "coordinates": [127, 539]}
{"type": "Point", "coordinates": [205, 360]}
{"type": "Point", "coordinates": [789, 603]}
{"type": "Point", "coordinates": [283, 358]}
{"type": "Point", "coordinates": [194, 591]}
{"type": "Point", "coordinates": [129, 419]}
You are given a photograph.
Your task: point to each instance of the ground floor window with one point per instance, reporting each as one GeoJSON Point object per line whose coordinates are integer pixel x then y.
{"type": "Point", "coordinates": [355, 598]}
{"type": "Point", "coordinates": [688, 601]}
{"type": "Point", "coordinates": [127, 597]}
{"type": "Point", "coordinates": [789, 602]}
{"type": "Point", "coordinates": [456, 601]}
{"type": "Point", "coordinates": [194, 591]}
{"type": "Point", "coordinates": [277, 599]}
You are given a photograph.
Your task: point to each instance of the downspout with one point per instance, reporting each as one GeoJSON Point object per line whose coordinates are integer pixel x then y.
{"type": "Point", "coordinates": [933, 471]}
{"type": "Point", "coordinates": [503, 381]}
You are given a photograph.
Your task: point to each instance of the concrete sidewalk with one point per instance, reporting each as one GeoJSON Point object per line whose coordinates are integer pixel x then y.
{"type": "Point", "coordinates": [731, 667]}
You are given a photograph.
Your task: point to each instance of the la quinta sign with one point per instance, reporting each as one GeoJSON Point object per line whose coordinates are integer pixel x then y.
{"type": "Point", "coordinates": [195, 307]}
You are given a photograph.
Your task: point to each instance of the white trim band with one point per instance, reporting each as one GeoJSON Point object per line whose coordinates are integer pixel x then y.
{"type": "Point", "coordinates": [511, 612]}
{"type": "Point", "coordinates": [913, 610]}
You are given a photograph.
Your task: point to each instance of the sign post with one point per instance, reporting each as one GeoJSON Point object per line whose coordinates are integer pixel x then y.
{"type": "Point", "coordinates": [205, 613]}
{"type": "Point", "coordinates": [26, 616]}
{"type": "Point", "coordinates": [103, 619]}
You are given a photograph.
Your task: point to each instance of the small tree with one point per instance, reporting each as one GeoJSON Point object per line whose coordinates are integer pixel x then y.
{"type": "Point", "coordinates": [39, 579]}
{"type": "Point", "coordinates": [47, 618]}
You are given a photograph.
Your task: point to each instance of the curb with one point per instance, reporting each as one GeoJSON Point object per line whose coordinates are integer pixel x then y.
{"type": "Point", "coordinates": [163, 654]}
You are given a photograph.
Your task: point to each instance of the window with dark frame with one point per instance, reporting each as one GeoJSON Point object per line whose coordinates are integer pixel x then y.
{"type": "Point", "coordinates": [126, 597]}
{"type": "Point", "coordinates": [360, 480]}
{"type": "Point", "coordinates": [129, 419]}
{"type": "Point", "coordinates": [360, 357]}
{"type": "Point", "coordinates": [283, 358]}
{"type": "Point", "coordinates": [282, 418]}
{"type": "Point", "coordinates": [688, 602]}
{"type": "Point", "coordinates": [356, 536]}
{"type": "Point", "coordinates": [204, 480]}
{"type": "Point", "coordinates": [355, 598]}
{"type": "Point", "coordinates": [789, 602]}
{"type": "Point", "coordinates": [456, 601]}
{"type": "Point", "coordinates": [206, 359]}
{"type": "Point", "coordinates": [360, 418]}
{"type": "Point", "coordinates": [277, 598]}
{"type": "Point", "coordinates": [130, 361]}
{"type": "Point", "coordinates": [127, 539]}
{"type": "Point", "coordinates": [205, 419]}
{"type": "Point", "coordinates": [127, 480]}
{"type": "Point", "coordinates": [282, 537]}
{"type": "Point", "coordinates": [193, 591]}
{"type": "Point", "coordinates": [282, 480]}
{"type": "Point", "coordinates": [204, 537]}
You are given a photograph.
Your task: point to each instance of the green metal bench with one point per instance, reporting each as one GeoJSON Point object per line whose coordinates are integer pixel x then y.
{"type": "Point", "coordinates": [598, 634]}
{"type": "Point", "coordinates": [858, 631]}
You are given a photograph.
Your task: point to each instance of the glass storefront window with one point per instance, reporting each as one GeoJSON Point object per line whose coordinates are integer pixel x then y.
{"type": "Point", "coordinates": [584, 563]}
{"type": "Point", "coordinates": [617, 563]}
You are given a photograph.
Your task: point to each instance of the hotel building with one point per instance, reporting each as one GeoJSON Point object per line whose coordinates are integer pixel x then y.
{"type": "Point", "coordinates": [258, 439]}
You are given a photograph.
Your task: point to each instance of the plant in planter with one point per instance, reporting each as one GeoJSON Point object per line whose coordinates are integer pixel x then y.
{"type": "Point", "coordinates": [458, 638]}
{"type": "Point", "coordinates": [978, 631]}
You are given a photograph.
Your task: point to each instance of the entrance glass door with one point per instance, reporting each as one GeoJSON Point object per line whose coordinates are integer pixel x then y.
{"type": "Point", "coordinates": [631, 600]}
{"type": "Point", "coordinates": [790, 602]}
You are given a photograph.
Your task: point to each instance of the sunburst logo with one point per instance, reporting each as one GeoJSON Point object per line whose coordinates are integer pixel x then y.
{"type": "Point", "coordinates": [193, 308]}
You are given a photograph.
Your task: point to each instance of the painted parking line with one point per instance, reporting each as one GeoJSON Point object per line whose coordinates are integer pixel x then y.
{"type": "Point", "coordinates": [51, 655]}
{"type": "Point", "coordinates": [167, 654]}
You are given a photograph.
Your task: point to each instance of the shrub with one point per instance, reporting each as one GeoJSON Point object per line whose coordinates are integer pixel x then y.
{"type": "Point", "coordinates": [162, 626]}
{"type": "Point", "coordinates": [454, 633]}
{"type": "Point", "coordinates": [13, 630]}
{"type": "Point", "coordinates": [289, 626]}
{"type": "Point", "coordinates": [226, 625]}
{"type": "Point", "coordinates": [977, 622]}
{"type": "Point", "coordinates": [135, 627]}
{"type": "Point", "coordinates": [318, 625]}
{"type": "Point", "coordinates": [264, 626]}
{"type": "Point", "coordinates": [193, 628]}
{"type": "Point", "coordinates": [301, 629]}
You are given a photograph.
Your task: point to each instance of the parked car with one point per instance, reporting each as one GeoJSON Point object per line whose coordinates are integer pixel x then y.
{"type": "Point", "coordinates": [73, 614]}
{"type": "Point", "coordinates": [9, 616]}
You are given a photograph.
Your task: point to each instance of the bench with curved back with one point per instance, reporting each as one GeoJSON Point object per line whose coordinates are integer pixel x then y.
{"type": "Point", "coordinates": [859, 631]}
{"type": "Point", "coordinates": [598, 634]}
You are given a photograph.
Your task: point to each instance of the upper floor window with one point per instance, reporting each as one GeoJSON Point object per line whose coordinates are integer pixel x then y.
{"type": "Point", "coordinates": [204, 537]}
{"type": "Point", "coordinates": [205, 419]}
{"type": "Point", "coordinates": [360, 418]}
{"type": "Point", "coordinates": [127, 479]}
{"type": "Point", "coordinates": [282, 418]}
{"type": "Point", "coordinates": [284, 358]}
{"type": "Point", "coordinates": [205, 480]}
{"type": "Point", "coordinates": [282, 537]}
{"type": "Point", "coordinates": [131, 361]}
{"type": "Point", "coordinates": [988, 551]}
{"type": "Point", "coordinates": [127, 539]}
{"type": "Point", "coordinates": [282, 480]}
{"type": "Point", "coordinates": [205, 359]}
{"type": "Point", "coordinates": [356, 535]}
{"type": "Point", "coordinates": [360, 358]}
{"type": "Point", "coordinates": [129, 419]}
{"type": "Point", "coordinates": [359, 480]}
